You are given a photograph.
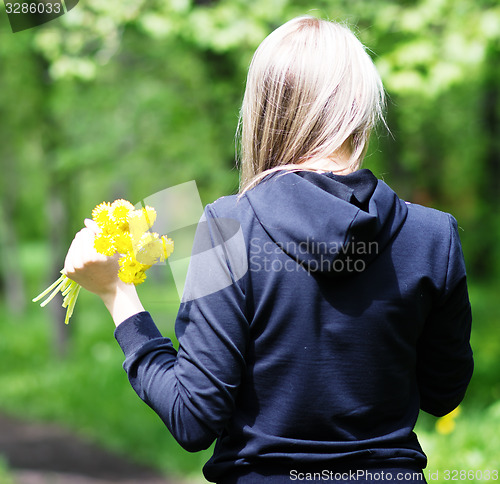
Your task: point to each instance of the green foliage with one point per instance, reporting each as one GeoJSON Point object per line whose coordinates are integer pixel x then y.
{"type": "Point", "coordinates": [89, 392]}
{"type": "Point", "coordinates": [5, 475]}
{"type": "Point", "coordinates": [125, 98]}
{"type": "Point", "coordinates": [474, 445]}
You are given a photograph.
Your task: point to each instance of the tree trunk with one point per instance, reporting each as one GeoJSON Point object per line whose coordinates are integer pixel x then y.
{"type": "Point", "coordinates": [492, 129]}
{"type": "Point", "coordinates": [57, 206]}
{"type": "Point", "coordinates": [57, 218]}
{"type": "Point", "coordinates": [11, 275]}
{"type": "Point", "coordinates": [489, 259]}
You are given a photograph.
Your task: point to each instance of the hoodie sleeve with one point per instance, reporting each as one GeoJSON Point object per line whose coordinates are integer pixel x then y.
{"type": "Point", "coordinates": [444, 358]}
{"type": "Point", "coordinates": [193, 390]}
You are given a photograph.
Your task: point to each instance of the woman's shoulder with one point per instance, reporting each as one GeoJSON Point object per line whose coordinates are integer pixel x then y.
{"type": "Point", "coordinates": [230, 206]}
{"type": "Point", "coordinates": [224, 201]}
{"type": "Point", "coordinates": [428, 214]}
{"type": "Point", "coordinates": [430, 223]}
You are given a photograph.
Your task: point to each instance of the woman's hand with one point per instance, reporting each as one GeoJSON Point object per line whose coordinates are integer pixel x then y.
{"type": "Point", "coordinates": [93, 271]}
{"type": "Point", "coordinates": [99, 274]}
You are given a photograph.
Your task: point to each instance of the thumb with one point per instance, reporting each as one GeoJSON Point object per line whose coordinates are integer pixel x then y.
{"type": "Point", "coordinates": [90, 224]}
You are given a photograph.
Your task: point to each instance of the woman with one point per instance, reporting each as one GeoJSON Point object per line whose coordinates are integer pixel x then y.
{"type": "Point", "coordinates": [321, 312]}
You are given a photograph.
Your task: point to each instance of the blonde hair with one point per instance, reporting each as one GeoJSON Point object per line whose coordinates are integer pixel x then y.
{"type": "Point", "coordinates": [312, 92]}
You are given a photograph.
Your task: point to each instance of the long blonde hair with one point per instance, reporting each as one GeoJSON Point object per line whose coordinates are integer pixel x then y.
{"type": "Point", "coordinates": [311, 91]}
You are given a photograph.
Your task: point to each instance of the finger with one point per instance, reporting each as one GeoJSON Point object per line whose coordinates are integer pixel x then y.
{"type": "Point", "coordinates": [80, 246]}
{"type": "Point", "coordinates": [86, 248]}
{"type": "Point", "coordinates": [68, 265]}
{"type": "Point", "coordinates": [73, 252]}
{"type": "Point", "coordinates": [90, 224]}
{"type": "Point", "coordinates": [85, 233]}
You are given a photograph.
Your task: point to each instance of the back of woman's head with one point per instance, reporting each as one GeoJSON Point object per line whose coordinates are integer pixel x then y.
{"type": "Point", "coordinates": [312, 92]}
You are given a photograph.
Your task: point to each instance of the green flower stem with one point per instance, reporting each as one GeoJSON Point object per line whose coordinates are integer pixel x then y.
{"type": "Point", "coordinates": [59, 283]}
{"type": "Point", "coordinates": [70, 300]}
{"type": "Point", "coordinates": [69, 290]}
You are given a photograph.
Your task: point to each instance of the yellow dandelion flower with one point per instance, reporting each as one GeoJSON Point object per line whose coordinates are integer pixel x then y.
{"type": "Point", "coordinates": [141, 221]}
{"type": "Point", "coordinates": [454, 413]}
{"type": "Point", "coordinates": [123, 230]}
{"type": "Point", "coordinates": [131, 269]}
{"type": "Point", "coordinates": [101, 213]}
{"type": "Point", "coordinates": [109, 227]}
{"type": "Point", "coordinates": [139, 278]}
{"type": "Point", "coordinates": [168, 246]}
{"type": "Point", "coordinates": [126, 276]}
{"type": "Point", "coordinates": [105, 244]}
{"type": "Point", "coordinates": [150, 215]}
{"type": "Point", "coordinates": [446, 424]}
{"type": "Point", "coordinates": [123, 243]}
{"type": "Point", "coordinates": [129, 261]}
{"type": "Point", "coordinates": [136, 226]}
{"type": "Point", "coordinates": [149, 249]}
{"type": "Point", "coordinates": [119, 213]}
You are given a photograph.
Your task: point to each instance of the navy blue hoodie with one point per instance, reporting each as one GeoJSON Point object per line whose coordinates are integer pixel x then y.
{"type": "Point", "coordinates": [320, 313]}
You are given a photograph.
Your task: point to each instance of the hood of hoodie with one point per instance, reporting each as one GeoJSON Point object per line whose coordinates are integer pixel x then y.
{"type": "Point", "coordinates": [333, 224]}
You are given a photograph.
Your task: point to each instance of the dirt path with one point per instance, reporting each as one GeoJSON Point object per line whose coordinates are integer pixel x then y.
{"type": "Point", "coordinates": [47, 454]}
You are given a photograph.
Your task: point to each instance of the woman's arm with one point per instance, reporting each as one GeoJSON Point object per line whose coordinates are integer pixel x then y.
{"type": "Point", "coordinates": [192, 390]}
{"type": "Point", "coordinates": [444, 362]}
{"type": "Point", "coordinates": [99, 274]}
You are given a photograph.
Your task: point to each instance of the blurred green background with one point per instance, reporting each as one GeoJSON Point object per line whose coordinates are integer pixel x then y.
{"type": "Point", "coordinates": [122, 99]}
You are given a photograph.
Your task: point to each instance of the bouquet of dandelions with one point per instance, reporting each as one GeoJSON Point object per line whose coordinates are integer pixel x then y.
{"type": "Point", "coordinates": [123, 230]}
